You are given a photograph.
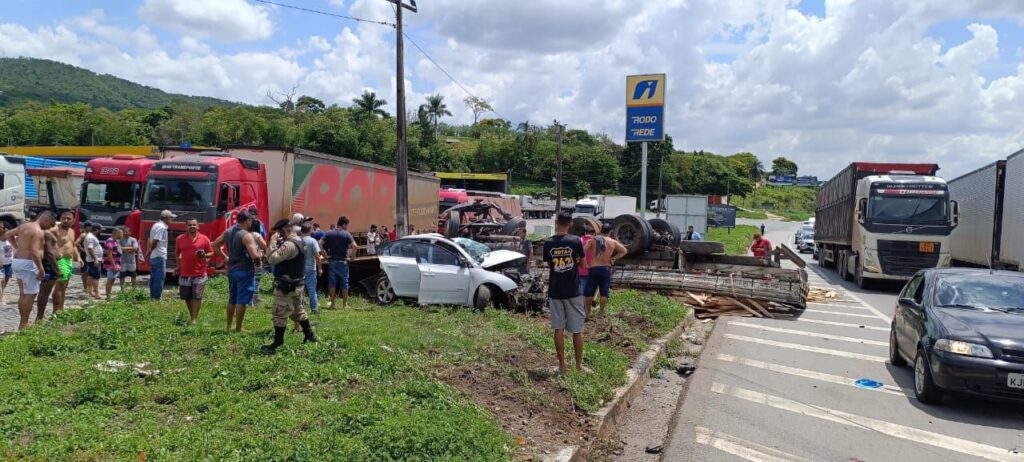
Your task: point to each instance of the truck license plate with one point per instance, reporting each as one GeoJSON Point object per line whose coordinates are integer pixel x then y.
{"type": "Point", "coordinates": [1015, 381]}
{"type": "Point", "coordinates": [926, 247]}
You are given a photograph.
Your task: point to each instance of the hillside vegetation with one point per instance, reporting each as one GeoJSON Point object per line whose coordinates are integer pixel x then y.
{"type": "Point", "coordinates": [29, 79]}
{"type": "Point", "coordinates": [790, 202]}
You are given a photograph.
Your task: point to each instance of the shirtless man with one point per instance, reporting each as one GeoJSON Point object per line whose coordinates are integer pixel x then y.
{"type": "Point", "coordinates": [28, 261]}
{"type": "Point", "coordinates": [67, 254]}
{"type": "Point", "coordinates": [51, 271]}
{"type": "Point", "coordinates": [602, 251]}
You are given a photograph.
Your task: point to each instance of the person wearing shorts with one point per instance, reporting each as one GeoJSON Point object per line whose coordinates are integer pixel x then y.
{"type": "Point", "coordinates": [130, 254]}
{"type": "Point", "coordinates": [112, 259]}
{"type": "Point", "coordinates": [6, 256]}
{"type": "Point", "coordinates": [67, 255]}
{"type": "Point", "coordinates": [563, 253]}
{"type": "Point", "coordinates": [193, 250]}
{"type": "Point", "coordinates": [338, 243]}
{"type": "Point", "coordinates": [242, 253]}
{"type": "Point", "coordinates": [603, 252]}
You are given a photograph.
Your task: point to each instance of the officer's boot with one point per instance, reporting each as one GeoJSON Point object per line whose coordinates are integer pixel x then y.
{"type": "Point", "coordinates": [278, 341]}
{"type": "Point", "coordinates": [307, 330]}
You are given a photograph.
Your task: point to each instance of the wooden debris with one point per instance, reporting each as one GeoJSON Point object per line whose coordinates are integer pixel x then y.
{"type": "Point", "coordinates": [713, 305]}
{"type": "Point", "coordinates": [817, 294]}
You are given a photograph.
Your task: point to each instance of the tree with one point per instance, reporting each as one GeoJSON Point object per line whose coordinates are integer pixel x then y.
{"type": "Point", "coordinates": [307, 103]}
{"type": "Point", "coordinates": [435, 109]}
{"type": "Point", "coordinates": [369, 105]}
{"type": "Point", "coordinates": [750, 163]}
{"type": "Point", "coordinates": [478, 105]}
{"type": "Point", "coordinates": [284, 99]}
{"type": "Point", "coordinates": [784, 166]}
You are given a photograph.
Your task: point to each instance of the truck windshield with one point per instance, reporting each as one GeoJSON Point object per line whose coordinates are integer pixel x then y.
{"type": "Point", "coordinates": [120, 195]}
{"type": "Point", "coordinates": [908, 210]}
{"type": "Point", "coordinates": [584, 209]}
{"type": "Point", "coordinates": [179, 193]}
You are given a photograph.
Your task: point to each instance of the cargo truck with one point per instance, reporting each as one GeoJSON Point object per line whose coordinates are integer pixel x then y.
{"type": "Point", "coordinates": [878, 221]}
{"type": "Point", "coordinates": [12, 190]}
{"type": "Point", "coordinates": [57, 189]}
{"type": "Point", "coordinates": [604, 207]}
{"type": "Point", "coordinates": [990, 232]}
{"type": "Point", "coordinates": [278, 182]}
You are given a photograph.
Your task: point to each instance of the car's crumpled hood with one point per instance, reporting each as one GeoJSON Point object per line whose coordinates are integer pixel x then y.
{"type": "Point", "coordinates": [497, 258]}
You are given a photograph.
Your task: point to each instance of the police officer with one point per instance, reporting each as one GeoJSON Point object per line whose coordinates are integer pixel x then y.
{"type": "Point", "coordinates": [289, 272]}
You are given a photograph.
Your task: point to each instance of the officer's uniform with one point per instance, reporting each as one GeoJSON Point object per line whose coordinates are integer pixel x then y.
{"type": "Point", "coordinates": [289, 273]}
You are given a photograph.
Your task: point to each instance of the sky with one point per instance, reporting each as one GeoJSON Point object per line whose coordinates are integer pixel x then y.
{"type": "Point", "coordinates": [822, 82]}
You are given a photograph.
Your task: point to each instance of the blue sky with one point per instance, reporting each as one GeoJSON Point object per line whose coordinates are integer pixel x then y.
{"type": "Point", "coordinates": [860, 80]}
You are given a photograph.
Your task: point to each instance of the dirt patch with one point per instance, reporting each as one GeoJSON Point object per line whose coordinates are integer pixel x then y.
{"type": "Point", "coordinates": [625, 332]}
{"type": "Point", "coordinates": [520, 391]}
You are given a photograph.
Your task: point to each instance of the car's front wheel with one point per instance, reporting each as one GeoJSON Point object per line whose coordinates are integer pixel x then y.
{"type": "Point", "coordinates": [385, 292]}
{"type": "Point", "coordinates": [924, 387]}
{"type": "Point", "coordinates": [482, 298]}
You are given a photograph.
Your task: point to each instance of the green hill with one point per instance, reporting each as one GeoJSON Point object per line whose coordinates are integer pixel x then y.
{"type": "Point", "coordinates": [30, 79]}
{"type": "Point", "coordinates": [792, 202]}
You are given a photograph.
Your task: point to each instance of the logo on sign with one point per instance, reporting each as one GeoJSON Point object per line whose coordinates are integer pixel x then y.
{"type": "Point", "coordinates": [645, 87]}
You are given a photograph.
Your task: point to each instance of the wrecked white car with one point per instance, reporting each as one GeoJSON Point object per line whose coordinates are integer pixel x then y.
{"type": "Point", "coordinates": [433, 270]}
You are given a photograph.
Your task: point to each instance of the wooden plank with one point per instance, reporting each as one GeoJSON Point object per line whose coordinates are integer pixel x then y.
{"type": "Point", "coordinates": [792, 256]}
{"type": "Point", "coordinates": [760, 308]}
{"type": "Point", "coordinates": [751, 310]}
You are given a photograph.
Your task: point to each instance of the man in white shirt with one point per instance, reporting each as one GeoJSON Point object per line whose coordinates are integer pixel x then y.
{"type": "Point", "coordinates": [157, 246]}
{"type": "Point", "coordinates": [93, 259]}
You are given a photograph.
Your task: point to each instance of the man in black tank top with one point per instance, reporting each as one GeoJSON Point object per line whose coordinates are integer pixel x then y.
{"type": "Point", "coordinates": [289, 276]}
{"type": "Point", "coordinates": [241, 257]}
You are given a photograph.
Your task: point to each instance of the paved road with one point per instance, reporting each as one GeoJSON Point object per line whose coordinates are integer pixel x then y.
{"type": "Point", "coordinates": [782, 389]}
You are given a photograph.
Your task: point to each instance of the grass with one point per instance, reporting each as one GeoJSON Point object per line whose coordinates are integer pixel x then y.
{"type": "Point", "coordinates": [369, 390]}
{"type": "Point", "coordinates": [532, 189]}
{"type": "Point", "coordinates": [752, 215]}
{"type": "Point", "coordinates": [737, 240]}
{"type": "Point", "coordinates": [791, 202]}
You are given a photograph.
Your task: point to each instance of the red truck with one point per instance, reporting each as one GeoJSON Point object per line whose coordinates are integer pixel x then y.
{"type": "Point", "coordinates": [278, 182]}
{"type": "Point", "coordinates": [112, 194]}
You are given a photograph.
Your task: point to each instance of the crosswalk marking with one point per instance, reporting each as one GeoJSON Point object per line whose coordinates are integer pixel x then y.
{"type": "Point", "coordinates": [809, 334]}
{"type": "Point", "coordinates": [743, 449]}
{"type": "Point", "coordinates": [796, 346]}
{"type": "Point", "coordinates": [820, 376]}
{"type": "Point", "coordinates": [882, 427]}
{"type": "Point", "coordinates": [842, 324]}
{"type": "Point", "coordinates": [812, 310]}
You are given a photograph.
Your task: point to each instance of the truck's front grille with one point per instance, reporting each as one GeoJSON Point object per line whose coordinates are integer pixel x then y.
{"type": "Point", "coordinates": [172, 254]}
{"type": "Point", "coordinates": [904, 258]}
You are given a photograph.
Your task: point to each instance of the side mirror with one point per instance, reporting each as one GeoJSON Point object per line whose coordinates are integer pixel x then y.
{"type": "Point", "coordinates": [956, 213]}
{"type": "Point", "coordinates": [862, 208]}
{"type": "Point", "coordinates": [909, 304]}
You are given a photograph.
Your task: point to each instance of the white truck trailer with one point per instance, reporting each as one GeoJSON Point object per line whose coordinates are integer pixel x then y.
{"type": "Point", "coordinates": [604, 207]}
{"type": "Point", "coordinates": [991, 231]}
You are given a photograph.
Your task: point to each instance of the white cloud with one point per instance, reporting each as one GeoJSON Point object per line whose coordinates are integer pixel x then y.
{"type": "Point", "coordinates": [227, 20]}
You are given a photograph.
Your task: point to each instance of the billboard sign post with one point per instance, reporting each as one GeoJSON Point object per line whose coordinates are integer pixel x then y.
{"type": "Point", "coordinates": [645, 119]}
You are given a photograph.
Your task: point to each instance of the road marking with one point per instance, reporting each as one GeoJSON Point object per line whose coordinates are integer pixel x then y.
{"type": "Point", "coordinates": [797, 346]}
{"type": "Point", "coordinates": [809, 334]}
{"type": "Point", "coordinates": [813, 375]}
{"type": "Point", "coordinates": [850, 304]}
{"type": "Point", "coordinates": [870, 308]}
{"type": "Point", "coordinates": [882, 427]}
{"type": "Point", "coordinates": [843, 324]}
{"type": "Point", "coordinates": [743, 449]}
{"type": "Point", "coordinates": [869, 316]}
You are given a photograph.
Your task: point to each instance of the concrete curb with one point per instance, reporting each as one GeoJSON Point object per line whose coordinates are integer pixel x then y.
{"type": "Point", "coordinates": [609, 417]}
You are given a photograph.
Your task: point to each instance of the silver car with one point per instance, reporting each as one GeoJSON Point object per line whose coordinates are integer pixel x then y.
{"type": "Point", "coordinates": [434, 270]}
{"type": "Point", "coordinates": [805, 242]}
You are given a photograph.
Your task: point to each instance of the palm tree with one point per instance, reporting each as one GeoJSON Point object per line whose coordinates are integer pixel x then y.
{"type": "Point", "coordinates": [435, 109]}
{"type": "Point", "coordinates": [369, 104]}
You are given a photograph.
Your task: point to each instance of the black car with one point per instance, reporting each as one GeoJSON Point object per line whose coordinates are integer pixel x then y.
{"type": "Point", "coordinates": [963, 330]}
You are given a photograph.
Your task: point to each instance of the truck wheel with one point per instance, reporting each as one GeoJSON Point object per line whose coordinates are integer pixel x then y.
{"type": "Point", "coordinates": [514, 227]}
{"type": "Point", "coordinates": [842, 265]}
{"type": "Point", "coordinates": [451, 228]}
{"type": "Point", "coordinates": [665, 233]}
{"type": "Point", "coordinates": [862, 282]}
{"type": "Point", "coordinates": [633, 232]}
{"type": "Point", "coordinates": [482, 298]}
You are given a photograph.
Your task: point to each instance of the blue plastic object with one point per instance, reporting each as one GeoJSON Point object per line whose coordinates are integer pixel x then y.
{"type": "Point", "coordinates": [868, 383]}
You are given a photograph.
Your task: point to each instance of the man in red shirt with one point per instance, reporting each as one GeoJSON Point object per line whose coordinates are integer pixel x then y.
{"type": "Point", "coordinates": [761, 246]}
{"type": "Point", "coordinates": [193, 249]}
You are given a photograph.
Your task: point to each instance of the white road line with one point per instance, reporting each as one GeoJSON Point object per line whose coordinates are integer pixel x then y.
{"type": "Point", "coordinates": [743, 449]}
{"type": "Point", "coordinates": [797, 346]}
{"type": "Point", "coordinates": [870, 308]}
{"type": "Point", "coordinates": [812, 310]}
{"type": "Point", "coordinates": [813, 375]}
{"type": "Point", "coordinates": [843, 324]}
{"type": "Point", "coordinates": [882, 427]}
{"type": "Point", "coordinates": [850, 304]}
{"type": "Point", "coordinates": [809, 334]}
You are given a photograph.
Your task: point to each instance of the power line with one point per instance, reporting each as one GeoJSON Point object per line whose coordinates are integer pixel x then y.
{"type": "Point", "coordinates": [439, 67]}
{"type": "Point", "coordinates": [327, 13]}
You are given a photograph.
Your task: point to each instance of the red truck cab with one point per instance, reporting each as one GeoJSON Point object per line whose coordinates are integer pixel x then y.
{"type": "Point", "coordinates": [112, 194]}
{"type": "Point", "coordinates": [210, 187]}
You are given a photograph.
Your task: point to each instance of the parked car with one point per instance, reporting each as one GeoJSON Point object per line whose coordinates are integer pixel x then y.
{"type": "Point", "coordinates": [805, 243]}
{"type": "Point", "coordinates": [431, 269]}
{"type": "Point", "coordinates": [963, 331]}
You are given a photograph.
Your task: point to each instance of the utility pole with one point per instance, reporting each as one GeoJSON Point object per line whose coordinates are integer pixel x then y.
{"type": "Point", "coordinates": [643, 180]}
{"type": "Point", "coordinates": [661, 173]}
{"type": "Point", "coordinates": [558, 180]}
{"type": "Point", "coordinates": [401, 154]}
